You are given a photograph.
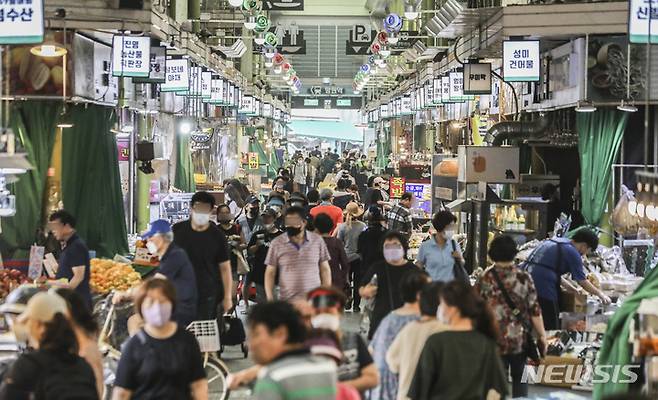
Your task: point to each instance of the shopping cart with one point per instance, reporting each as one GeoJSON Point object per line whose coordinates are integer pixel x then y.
{"type": "Point", "coordinates": [207, 334]}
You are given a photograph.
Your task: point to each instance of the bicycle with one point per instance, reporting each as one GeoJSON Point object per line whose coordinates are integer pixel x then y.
{"type": "Point", "coordinates": [207, 336]}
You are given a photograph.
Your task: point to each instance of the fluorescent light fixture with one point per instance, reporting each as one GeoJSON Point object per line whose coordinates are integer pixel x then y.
{"type": "Point", "coordinates": [259, 40]}
{"type": "Point", "coordinates": [48, 50]}
{"type": "Point", "coordinates": [270, 53]}
{"type": "Point", "coordinates": [250, 23]}
{"type": "Point", "coordinates": [268, 63]}
{"type": "Point", "coordinates": [585, 106]}
{"type": "Point", "coordinates": [235, 3]}
{"type": "Point", "coordinates": [278, 69]}
{"type": "Point", "coordinates": [357, 92]}
{"type": "Point", "coordinates": [385, 52]}
{"type": "Point", "coordinates": [627, 107]}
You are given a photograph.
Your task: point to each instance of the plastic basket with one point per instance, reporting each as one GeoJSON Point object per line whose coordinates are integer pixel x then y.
{"type": "Point", "coordinates": [207, 334]}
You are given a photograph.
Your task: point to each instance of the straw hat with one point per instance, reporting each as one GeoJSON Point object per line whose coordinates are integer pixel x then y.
{"type": "Point", "coordinates": [354, 209]}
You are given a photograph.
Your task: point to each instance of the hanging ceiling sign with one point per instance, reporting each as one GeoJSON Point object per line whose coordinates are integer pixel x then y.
{"type": "Point", "coordinates": [406, 39]}
{"type": "Point", "coordinates": [456, 86]}
{"type": "Point", "coordinates": [194, 89]}
{"type": "Point", "coordinates": [291, 39]}
{"type": "Point", "coordinates": [383, 111]}
{"type": "Point", "coordinates": [405, 105]}
{"type": "Point", "coordinates": [206, 90]}
{"type": "Point", "coordinates": [253, 161]}
{"type": "Point", "coordinates": [640, 15]}
{"type": "Point", "coordinates": [477, 78]}
{"type": "Point", "coordinates": [445, 89]}
{"type": "Point", "coordinates": [21, 22]}
{"type": "Point", "coordinates": [177, 77]}
{"type": "Point", "coordinates": [231, 95]}
{"type": "Point", "coordinates": [283, 5]}
{"type": "Point", "coordinates": [246, 106]}
{"type": "Point", "coordinates": [361, 38]}
{"type": "Point", "coordinates": [131, 55]}
{"type": "Point", "coordinates": [216, 90]}
{"type": "Point", "coordinates": [437, 89]}
{"type": "Point", "coordinates": [158, 65]}
{"type": "Point", "coordinates": [267, 110]}
{"type": "Point", "coordinates": [521, 60]}
{"type": "Point", "coordinates": [277, 114]}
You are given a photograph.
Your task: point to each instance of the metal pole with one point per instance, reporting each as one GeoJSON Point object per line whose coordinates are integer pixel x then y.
{"type": "Point", "coordinates": [647, 93]}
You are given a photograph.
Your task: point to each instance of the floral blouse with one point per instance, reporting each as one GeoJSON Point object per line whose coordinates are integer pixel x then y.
{"type": "Point", "coordinates": [521, 289]}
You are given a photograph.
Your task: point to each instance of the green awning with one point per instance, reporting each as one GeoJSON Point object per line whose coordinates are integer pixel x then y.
{"type": "Point", "coordinates": [336, 130]}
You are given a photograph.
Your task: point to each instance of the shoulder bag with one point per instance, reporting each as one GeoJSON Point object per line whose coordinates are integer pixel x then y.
{"type": "Point", "coordinates": [530, 347]}
{"type": "Point", "coordinates": [458, 269]}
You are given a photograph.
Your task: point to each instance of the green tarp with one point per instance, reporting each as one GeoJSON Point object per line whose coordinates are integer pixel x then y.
{"type": "Point", "coordinates": [184, 174]}
{"type": "Point", "coordinates": [91, 185]}
{"type": "Point", "coordinates": [616, 350]}
{"type": "Point", "coordinates": [34, 124]}
{"type": "Point", "coordinates": [599, 136]}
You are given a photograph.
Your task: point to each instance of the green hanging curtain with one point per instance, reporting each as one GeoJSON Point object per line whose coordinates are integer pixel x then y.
{"type": "Point", "coordinates": [615, 349]}
{"type": "Point", "coordinates": [599, 136]}
{"type": "Point", "coordinates": [184, 178]}
{"type": "Point", "coordinates": [255, 147]}
{"type": "Point", "coordinates": [274, 165]}
{"type": "Point", "coordinates": [33, 123]}
{"type": "Point", "coordinates": [91, 185]}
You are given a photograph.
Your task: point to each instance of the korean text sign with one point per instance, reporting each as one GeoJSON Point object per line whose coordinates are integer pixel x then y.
{"type": "Point", "coordinates": [253, 160]}
{"type": "Point", "coordinates": [396, 187]}
{"type": "Point", "coordinates": [643, 21]}
{"type": "Point", "coordinates": [21, 21]}
{"type": "Point", "coordinates": [131, 56]}
{"type": "Point", "coordinates": [177, 77]}
{"type": "Point", "coordinates": [521, 60]}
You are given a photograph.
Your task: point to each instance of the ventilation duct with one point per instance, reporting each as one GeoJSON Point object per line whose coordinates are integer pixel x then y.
{"type": "Point", "coordinates": [444, 17]}
{"type": "Point", "coordinates": [515, 130]}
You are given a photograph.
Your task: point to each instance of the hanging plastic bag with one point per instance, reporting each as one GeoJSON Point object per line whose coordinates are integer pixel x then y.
{"type": "Point", "coordinates": [624, 218]}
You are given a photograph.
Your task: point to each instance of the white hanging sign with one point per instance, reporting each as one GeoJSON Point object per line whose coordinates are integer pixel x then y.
{"type": "Point", "coordinates": [131, 55]}
{"type": "Point", "coordinates": [246, 105]}
{"type": "Point", "coordinates": [177, 77]}
{"type": "Point", "coordinates": [456, 86]}
{"type": "Point", "coordinates": [642, 21]}
{"type": "Point", "coordinates": [277, 114]}
{"type": "Point", "coordinates": [445, 89]}
{"type": "Point", "coordinates": [436, 93]}
{"type": "Point", "coordinates": [21, 22]}
{"type": "Point", "coordinates": [267, 110]}
{"type": "Point", "coordinates": [477, 78]}
{"type": "Point", "coordinates": [521, 60]}
{"type": "Point", "coordinates": [405, 105]}
{"type": "Point", "coordinates": [383, 111]}
{"type": "Point", "coordinates": [206, 90]}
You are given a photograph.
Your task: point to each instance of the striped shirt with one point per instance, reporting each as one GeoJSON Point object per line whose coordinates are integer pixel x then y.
{"type": "Point", "coordinates": [297, 375]}
{"type": "Point", "coordinates": [298, 266]}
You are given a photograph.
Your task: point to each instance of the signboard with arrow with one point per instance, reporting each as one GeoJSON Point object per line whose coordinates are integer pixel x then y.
{"type": "Point", "coordinates": [360, 40]}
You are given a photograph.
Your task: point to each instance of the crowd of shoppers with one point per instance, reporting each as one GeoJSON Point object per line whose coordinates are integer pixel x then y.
{"type": "Point", "coordinates": [309, 252]}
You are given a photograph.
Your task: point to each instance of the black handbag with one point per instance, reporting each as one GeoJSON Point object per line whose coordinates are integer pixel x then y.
{"type": "Point", "coordinates": [458, 269]}
{"type": "Point", "coordinates": [530, 347]}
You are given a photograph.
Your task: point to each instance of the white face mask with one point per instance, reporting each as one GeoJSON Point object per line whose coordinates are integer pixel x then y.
{"type": "Point", "coordinates": [152, 248]}
{"type": "Point", "coordinates": [448, 235]}
{"type": "Point", "coordinates": [394, 254]}
{"type": "Point", "coordinates": [268, 227]}
{"type": "Point", "coordinates": [326, 321]}
{"type": "Point", "coordinates": [200, 219]}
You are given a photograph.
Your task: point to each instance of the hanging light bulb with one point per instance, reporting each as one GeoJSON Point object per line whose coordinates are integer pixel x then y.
{"type": "Point", "coordinates": [268, 63]}
{"type": "Point", "coordinates": [259, 39]}
{"type": "Point", "coordinates": [250, 23]}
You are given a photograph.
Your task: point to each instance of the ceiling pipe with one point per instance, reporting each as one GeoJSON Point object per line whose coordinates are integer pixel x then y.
{"type": "Point", "coordinates": [515, 130]}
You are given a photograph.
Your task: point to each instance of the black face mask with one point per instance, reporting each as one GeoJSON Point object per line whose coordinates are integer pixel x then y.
{"type": "Point", "coordinates": [253, 212]}
{"type": "Point", "coordinates": [293, 230]}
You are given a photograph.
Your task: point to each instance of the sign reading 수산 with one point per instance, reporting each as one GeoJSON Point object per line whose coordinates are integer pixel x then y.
{"type": "Point", "coordinates": [131, 55]}
{"type": "Point", "coordinates": [521, 60]}
{"type": "Point", "coordinates": [643, 21]}
{"type": "Point", "coordinates": [177, 77]}
{"type": "Point", "coordinates": [21, 21]}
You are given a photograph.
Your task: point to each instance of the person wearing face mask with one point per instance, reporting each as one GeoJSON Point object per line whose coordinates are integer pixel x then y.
{"type": "Point", "coordinates": [300, 257]}
{"type": "Point", "coordinates": [250, 220]}
{"type": "Point", "coordinates": [357, 369]}
{"type": "Point", "coordinates": [279, 186]}
{"type": "Point", "coordinates": [379, 196]}
{"type": "Point", "coordinates": [411, 286]}
{"type": "Point", "coordinates": [339, 263]}
{"type": "Point", "coordinates": [233, 233]}
{"type": "Point", "coordinates": [461, 362]}
{"type": "Point", "coordinates": [175, 266]}
{"type": "Point", "coordinates": [300, 174]}
{"type": "Point", "coordinates": [439, 254]}
{"type": "Point", "coordinates": [554, 258]}
{"type": "Point", "coordinates": [257, 250]}
{"type": "Point", "coordinates": [327, 207]}
{"type": "Point", "coordinates": [54, 367]}
{"type": "Point", "coordinates": [163, 360]}
{"type": "Point", "coordinates": [207, 248]}
{"type": "Point", "coordinates": [390, 272]}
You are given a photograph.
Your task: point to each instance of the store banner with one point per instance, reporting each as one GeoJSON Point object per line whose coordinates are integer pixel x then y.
{"type": "Point", "coordinates": [216, 90]}
{"type": "Point", "coordinates": [477, 78]}
{"type": "Point", "coordinates": [158, 64]}
{"type": "Point", "coordinates": [246, 106]}
{"type": "Point", "coordinates": [206, 91]}
{"type": "Point", "coordinates": [123, 145]}
{"type": "Point", "coordinates": [131, 56]}
{"type": "Point", "coordinates": [642, 22]}
{"type": "Point", "coordinates": [429, 94]}
{"type": "Point", "coordinates": [277, 114]}
{"type": "Point", "coordinates": [405, 105]}
{"type": "Point", "coordinates": [445, 89]}
{"type": "Point", "coordinates": [456, 86]}
{"type": "Point", "coordinates": [383, 111]}
{"type": "Point", "coordinates": [177, 77]}
{"type": "Point", "coordinates": [21, 22]}
{"type": "Point", "coordinates": [521, 60]}
{"type": "Point", "coordinates": [253, 161]}
{"type": "Point", "coordinates": [436, 92]}
{"type": "Point", "coordinates": [267, 110]}
{"type": "Point", "coordinates": [488, 164]}
{"type": "Point", "coordinates": [396, 187]}
{"type": "Point", "coordinates": [194, 89]}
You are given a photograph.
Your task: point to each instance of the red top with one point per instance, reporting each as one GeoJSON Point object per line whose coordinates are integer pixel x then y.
{"type": "Point", "coordinates": [335, 213]}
